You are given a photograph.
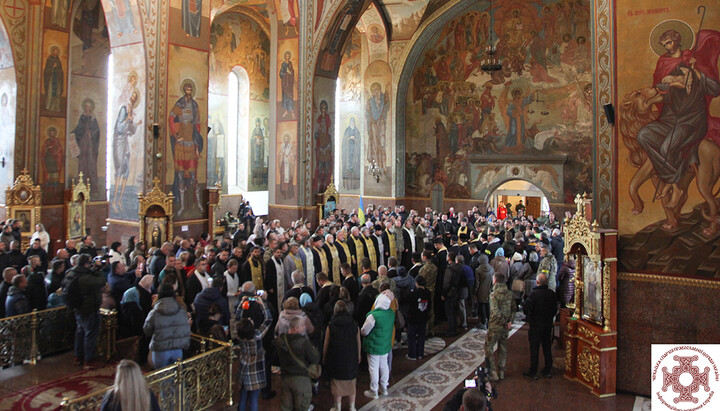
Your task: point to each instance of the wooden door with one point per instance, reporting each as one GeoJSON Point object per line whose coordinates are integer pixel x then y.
{"type": "Point", "coordinates": [533, 206]}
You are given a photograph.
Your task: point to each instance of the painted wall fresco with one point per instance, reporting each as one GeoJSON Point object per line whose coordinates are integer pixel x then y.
{"type": "Point", "coordinates": [669, 136]}
{"type": "Point", "coordinates": [8, 101]}
{"type": "Point", "coordinates": [125, 127]}
{"type": "Point", "coordinates": [352, 116]}
{"type": "Point", "coordinates": [323, 133]}
{"type": "Point", "coordinates": [286, 161]}
{"type": "Point", "coordinates": [377, 92]}
{"type": "Point", "coordinates": [123, 22]}
{"type": "Point", "coordinates": [51, 155]}
{"type": "Point", "coordinates": [54, 74]}
{"type": "Point", "coordinates": [237, 40]}
{"type": "Point", "coordinates": [186, 159]}
{"type": "Point", "coordinates": [538, 106]}
{"type": "Point", "coordinates": [190, 23]}
{"type": "Point", "coordinates": [87, 108]}
{"type": "Point", "coordinates": [405, 16]}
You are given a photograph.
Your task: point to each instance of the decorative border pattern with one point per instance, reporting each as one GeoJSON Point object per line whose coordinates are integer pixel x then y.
{"type": "Point", "coordinates": [664, 279]}
{"type": "Point", "coordinates": [18, 33]}
{"type": "Point", "coordinates": [438, 377]}
{"type": "Point", "coordinates": [604, 88]}
{"type": "Point", "coordinates": [308, 59]}
{"type": "Point", "coordinates": [156, 38]}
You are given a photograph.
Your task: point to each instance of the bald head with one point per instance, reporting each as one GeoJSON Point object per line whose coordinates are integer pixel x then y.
{"type": "Point", "coordinates": [541, 279]}
{"type": "Point", "coordinates": [8, 274]}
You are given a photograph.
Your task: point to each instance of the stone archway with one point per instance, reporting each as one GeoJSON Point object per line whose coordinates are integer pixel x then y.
{"type": "Point", "coordinates": [514, 190]}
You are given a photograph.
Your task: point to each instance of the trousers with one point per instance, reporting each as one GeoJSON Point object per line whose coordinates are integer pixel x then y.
{"type": "Point", "coordinates": [496, 335]}
{"type": "Point", "coordinates": [378, 368]}
{"type": "Point", "coordinates": [296, 393]}
{"type": "Point", "coordinates": [538, 336]}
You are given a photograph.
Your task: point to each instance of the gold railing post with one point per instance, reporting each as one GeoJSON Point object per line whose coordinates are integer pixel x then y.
{"type": "Point", "coordinates": [180, 386]}
{"type": "Point", "coordinates": [34, 322]}
{"type": "Point", "coordinates": [229, 351]}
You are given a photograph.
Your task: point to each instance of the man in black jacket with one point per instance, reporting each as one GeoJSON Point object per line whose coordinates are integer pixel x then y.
{"type": "Point", "coordinates": [451, 291]}
{"type": "Point", "coordinates": [540, 309]}
{"type": "Point", "coordinates": [366, 298]}
{"type": "Point", "coordinates": [90, 284]}
{"type": "Point", "coordinates": [350, 282]}
{"type": "Point", "coordinates": [8, 274]}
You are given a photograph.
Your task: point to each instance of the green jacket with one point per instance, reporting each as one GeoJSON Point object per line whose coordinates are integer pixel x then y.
{"type": "Point", "coordinates": [379, 341]}
{"type": "Point", "coordinates": [502, 306]}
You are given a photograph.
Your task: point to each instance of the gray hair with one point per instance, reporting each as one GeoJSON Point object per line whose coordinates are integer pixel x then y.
{"type": "Point", "coordinates": [365, 279]}
{"type": "Point", "coordinates": [248, 287]}
{"type": "Point", "coordinates": [298, 277]}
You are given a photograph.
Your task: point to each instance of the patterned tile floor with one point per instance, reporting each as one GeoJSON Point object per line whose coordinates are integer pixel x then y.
{"type": "Point", "coordinates": [438, 377]}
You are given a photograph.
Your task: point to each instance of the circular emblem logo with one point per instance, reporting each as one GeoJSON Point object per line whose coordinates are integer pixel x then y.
{"type": "Point", "coordinates": [684, 378]}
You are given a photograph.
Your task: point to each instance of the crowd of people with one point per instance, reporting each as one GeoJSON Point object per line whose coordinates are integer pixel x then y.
{"type": "Point", "coordinates": [310, 300]}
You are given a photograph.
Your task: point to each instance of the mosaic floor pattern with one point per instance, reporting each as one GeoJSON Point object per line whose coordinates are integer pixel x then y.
{"type": "Point", "coordinates": [432, 381]}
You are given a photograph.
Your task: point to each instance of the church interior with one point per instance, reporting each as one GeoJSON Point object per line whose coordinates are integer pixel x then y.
{"type": "Point", "coordinates": [157, 121]}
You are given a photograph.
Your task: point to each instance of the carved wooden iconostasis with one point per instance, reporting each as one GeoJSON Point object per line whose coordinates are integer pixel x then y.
{"type": "Point", "coordinates": [591, 328]}
{"type": "Point", "coordinates": [76, 200]}
{"type": "Point", "coordinates": [155, 216]}
{"type": "Point", "coordinates": [23, 203]}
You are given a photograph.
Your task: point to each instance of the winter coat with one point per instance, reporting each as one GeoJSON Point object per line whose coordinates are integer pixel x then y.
{"type": "Point", "coordinates": [540, 307]}
{"type": "Point", "coordinates": [168, 326]}
{"type": "Point", "coordinates": [90, 284]}
{"type": "Point", "coordinates": [483, 280]}
{"type": "Point", "coordinates": [36, 291]}
{"type": "Point", "coordinates": [451, 281]}
{"type": "Point", "coordinates": [208, 297]}
{"type": "Point", "coordinates": [303, 349]}
{"type": "Point", "coordinates": [341, 359]}
{"type": "Point", "coordinates": [17, 302]}
{"type": "Point", "coordinates": [566, 276]}
{"type": "Point", "coordinates": [283, 322]}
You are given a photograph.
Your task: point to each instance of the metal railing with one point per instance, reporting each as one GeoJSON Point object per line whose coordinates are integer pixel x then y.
{"type": "Point", "coordinates": [28, 337]}
{"type": "Point", "coordinates": [196, 383]}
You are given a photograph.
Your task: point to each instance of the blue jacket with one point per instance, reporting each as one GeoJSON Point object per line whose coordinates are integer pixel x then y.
{"type": "Point", "coordinates": [469, 277]}
{"type": "Point", "coordinates": [205, 299]}
{"type": "Point", "coordinates": [17, 302]}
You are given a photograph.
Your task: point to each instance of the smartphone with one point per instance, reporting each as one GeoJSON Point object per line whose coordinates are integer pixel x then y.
{"type": "Point", "coordinates": [260, 292]}
{"type": "Point", "coordinates": [470, 384]}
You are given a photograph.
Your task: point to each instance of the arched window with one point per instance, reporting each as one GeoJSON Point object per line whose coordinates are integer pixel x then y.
{"type": "Point", "coordinates": [237, 143]}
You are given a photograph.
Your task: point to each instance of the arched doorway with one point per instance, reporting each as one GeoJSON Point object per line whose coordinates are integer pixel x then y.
{"type": "Point", "coordinates": [513, 191]}
{"type": "Point", "coordinates": [8, 90]}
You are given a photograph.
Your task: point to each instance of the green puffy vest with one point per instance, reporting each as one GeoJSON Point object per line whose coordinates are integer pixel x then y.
{"type": "Point", "coordinates": [379, 341]}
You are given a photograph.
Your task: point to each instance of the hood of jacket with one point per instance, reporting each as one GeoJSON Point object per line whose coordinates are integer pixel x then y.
{"type": "Point", "coordinates": [167, 306]}
{"type": "Point", "coordinates": [404, 281]}
{"type": "Point", "coordinates": [15, 290]}
{"type": "Point", "coordinates": [382, 302]}
{"type": "Point", "coordinates": [210, 294]}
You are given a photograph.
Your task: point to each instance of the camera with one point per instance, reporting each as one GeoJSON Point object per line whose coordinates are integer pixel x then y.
{"type": "Point", "coordinates": [483, 382]}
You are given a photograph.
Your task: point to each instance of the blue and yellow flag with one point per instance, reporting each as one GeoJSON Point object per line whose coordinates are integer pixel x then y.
{"type": "Point", "coordinates": [361, 212]}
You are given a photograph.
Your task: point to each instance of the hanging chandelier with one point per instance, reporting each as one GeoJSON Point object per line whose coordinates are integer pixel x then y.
{"type": "Point", "coordinates": [490, 62]}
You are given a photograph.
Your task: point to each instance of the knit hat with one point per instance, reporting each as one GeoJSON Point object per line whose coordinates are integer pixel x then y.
{"type": "Point", "coordinates": [305, 299]}
{"type": "Point", "coordinates": [500, 252]}
{"type": "Point", "coordinates": [517, 257]}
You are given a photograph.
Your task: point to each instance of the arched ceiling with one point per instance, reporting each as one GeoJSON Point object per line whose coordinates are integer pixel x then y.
{"type": "Point", "coordinates": [403, 16]}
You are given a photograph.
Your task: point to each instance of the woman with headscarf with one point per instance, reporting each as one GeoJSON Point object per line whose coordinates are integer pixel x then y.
{"type": "Point", "coordinates": [42, 235]}
{"type": "Point", "coordinates": [499, 263]}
